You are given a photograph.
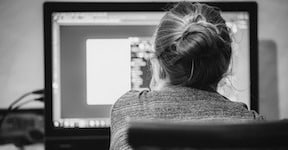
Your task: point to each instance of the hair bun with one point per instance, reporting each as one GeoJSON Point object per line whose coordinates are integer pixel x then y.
{"type": "Point", "coordinates": [199, 39]}
{"type": "Point", "coordinates": [193, 46]}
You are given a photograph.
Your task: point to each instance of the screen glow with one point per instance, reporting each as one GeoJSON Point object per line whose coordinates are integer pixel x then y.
{"type": "Point", "coordinates": [108, 70]}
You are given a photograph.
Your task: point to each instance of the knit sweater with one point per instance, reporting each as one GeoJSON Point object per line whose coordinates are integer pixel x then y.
{"type": "Point", "coordinates": [175, 104]}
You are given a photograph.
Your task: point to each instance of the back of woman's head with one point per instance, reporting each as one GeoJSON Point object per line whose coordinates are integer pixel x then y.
{"type": "Point", "coordinates": [192, 46]}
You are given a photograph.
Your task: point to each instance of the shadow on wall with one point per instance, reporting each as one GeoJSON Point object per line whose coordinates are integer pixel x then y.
{"type": "Point", "coordinates": [268, 80]}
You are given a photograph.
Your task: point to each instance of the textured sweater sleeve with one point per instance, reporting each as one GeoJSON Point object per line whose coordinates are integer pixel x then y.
{"type": "Point", "coordinates": [120, 113]}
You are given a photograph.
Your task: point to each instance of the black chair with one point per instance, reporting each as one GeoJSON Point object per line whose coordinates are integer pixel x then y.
{"type": "Point", "coordinates": [165, 135]}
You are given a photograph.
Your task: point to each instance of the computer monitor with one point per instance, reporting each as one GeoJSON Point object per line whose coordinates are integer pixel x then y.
{"type": "Point", "coordinates": [95, 52]}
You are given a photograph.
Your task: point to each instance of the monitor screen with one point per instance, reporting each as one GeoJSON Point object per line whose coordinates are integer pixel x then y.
{"type": "Point", "coordinates": [97, 56]}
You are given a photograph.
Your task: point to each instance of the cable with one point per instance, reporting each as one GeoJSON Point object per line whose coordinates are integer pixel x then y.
{"type": "Point", "coordinates": [40, 99]}
{"type": "Point", "coordinates": [17, 100]}
{"type": "Point", "coordinates": [41, 91]}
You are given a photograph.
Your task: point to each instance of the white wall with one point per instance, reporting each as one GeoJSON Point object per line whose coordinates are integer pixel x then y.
{"type": "Point", "coordinates": [21, 49]}
{"type": "Point", "coordinates": [21, 46]}
{"type": "Point", "coordinates": [273, 25]}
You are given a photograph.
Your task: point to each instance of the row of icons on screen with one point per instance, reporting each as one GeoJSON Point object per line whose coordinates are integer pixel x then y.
{"type": "Point", "coordinates": [81, 123]}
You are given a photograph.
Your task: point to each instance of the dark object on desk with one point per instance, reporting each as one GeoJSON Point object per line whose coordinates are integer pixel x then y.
{"type": "Point", "coordinates": [183, 135]}
{"type": "Point", "coordinates": [22, 127]}
{"type": "Point", "coordinates": [13, 106]}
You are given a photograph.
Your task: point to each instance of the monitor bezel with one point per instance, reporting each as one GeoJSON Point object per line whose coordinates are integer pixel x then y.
{"type": "Point", "coordinates": [51, 7]}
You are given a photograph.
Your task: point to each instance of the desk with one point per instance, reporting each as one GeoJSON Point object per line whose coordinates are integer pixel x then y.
{"type": "Point", "coordinates": [28, 147]}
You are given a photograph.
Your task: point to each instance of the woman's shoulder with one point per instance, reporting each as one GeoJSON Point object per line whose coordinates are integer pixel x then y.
{"type": "Point", "coordinates": [129, 98]}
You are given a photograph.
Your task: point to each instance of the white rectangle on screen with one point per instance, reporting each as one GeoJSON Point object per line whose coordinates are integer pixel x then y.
{"type": "Point", "coordinates": [107, 70]}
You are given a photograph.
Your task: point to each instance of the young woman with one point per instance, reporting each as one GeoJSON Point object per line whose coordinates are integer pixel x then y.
{"type": "Point", "coordinates": [192, 54]}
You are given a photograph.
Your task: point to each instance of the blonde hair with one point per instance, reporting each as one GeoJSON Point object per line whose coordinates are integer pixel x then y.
{"type": "Point", "coordinates": [192, 47]}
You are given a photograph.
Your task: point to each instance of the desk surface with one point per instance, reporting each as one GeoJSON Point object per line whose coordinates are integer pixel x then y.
{"type": "Point", "coordinates": [28, 147]}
